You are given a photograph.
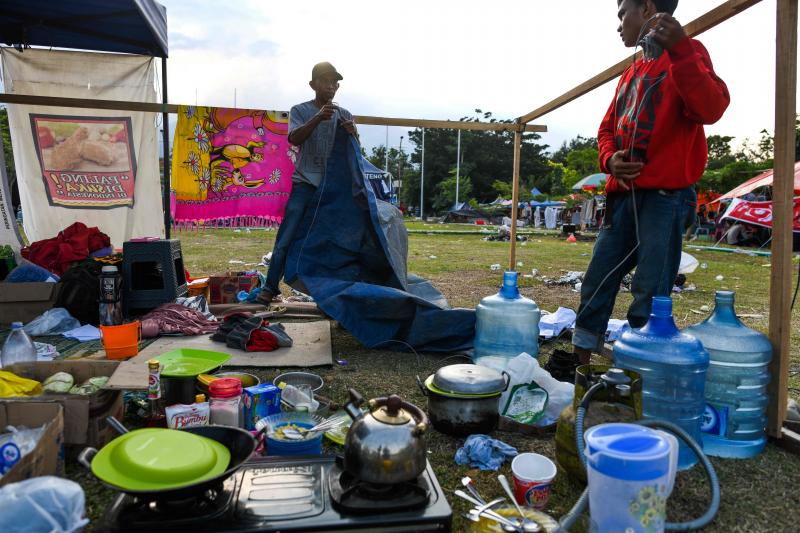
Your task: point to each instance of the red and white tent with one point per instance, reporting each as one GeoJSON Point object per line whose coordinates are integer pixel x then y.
{"type": "Point", "coordinates": [762, 180]}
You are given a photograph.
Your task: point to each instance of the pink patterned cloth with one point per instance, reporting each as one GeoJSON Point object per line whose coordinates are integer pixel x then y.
{"type": "Point", "coordinates": [175, 318]}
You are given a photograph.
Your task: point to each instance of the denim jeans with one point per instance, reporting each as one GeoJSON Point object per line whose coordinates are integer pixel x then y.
{"type": "Point", "coordinates": [663, 217]}
{"type": "Point", "coordinates": [299, 199]}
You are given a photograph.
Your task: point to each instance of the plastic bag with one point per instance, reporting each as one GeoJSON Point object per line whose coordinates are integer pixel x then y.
{"type": "Point", "coordinates": [52, 322]}
{"type": "Point", "coordinates": [46, 503]}
{"type": "Point", "coordinates": [524, 369]}
{"type": "Point", "coordinates": [17, 443]}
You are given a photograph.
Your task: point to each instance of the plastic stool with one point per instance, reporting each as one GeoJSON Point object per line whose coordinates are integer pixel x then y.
{"type": "Point", "coordinates": [152, 274]}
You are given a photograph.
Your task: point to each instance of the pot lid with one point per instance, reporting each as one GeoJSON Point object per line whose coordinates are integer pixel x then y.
{"type": "Point", "coordinates": [159, 459]}
{"type": "Point", "coordinates": [469, 380]}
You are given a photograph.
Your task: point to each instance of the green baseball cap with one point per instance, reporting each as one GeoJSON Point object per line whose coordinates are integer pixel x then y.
{"type": "Point", "coordinates": [324, 69]}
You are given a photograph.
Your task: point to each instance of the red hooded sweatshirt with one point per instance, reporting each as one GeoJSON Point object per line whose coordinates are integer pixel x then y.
{"type": "Point", "coordinates": [664, 103]}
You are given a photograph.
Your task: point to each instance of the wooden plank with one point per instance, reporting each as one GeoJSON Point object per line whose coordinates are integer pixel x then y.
{"type": "Point", "coordinates": [148, 107]}
{"type": "Point", "coordinates": [789, 440]}
{"type": "Point", "coordinates": [780, 293]}
{"type": "Point", "coordinates": [512, 260]}
{"type": "Point", "coordinates": [699, 25]}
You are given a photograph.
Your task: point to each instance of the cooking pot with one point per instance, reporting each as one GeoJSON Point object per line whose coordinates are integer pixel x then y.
{"type": "Point", "coordinates": [151, 477]}
{"type": "Point", "coordinates": [386, 445]}
{"type": "Point", "coordinates": [464, 399]}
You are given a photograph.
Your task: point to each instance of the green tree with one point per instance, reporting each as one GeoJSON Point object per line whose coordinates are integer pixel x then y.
{"type": "Point", "coordinates": [578, 143]}
{"type": "Point", "coordinates": [584, 161]}
{"type": "Point", "coordinates": [445, 196]}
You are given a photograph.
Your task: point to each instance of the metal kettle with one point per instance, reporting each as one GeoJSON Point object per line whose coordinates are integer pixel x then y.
{"type": "Point", "coordinates": [386, 445]}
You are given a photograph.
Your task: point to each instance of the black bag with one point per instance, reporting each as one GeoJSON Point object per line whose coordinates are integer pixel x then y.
{"type": "Point", "coordinates": [80, 291]}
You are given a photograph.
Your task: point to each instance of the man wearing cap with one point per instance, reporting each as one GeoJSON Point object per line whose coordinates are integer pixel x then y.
{"type": "Point", "coordinates": [312, 127]}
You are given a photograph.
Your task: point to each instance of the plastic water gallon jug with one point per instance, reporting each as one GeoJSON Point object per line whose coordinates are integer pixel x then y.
{"type": "Point", "coordinates": [18, 348]}
{"type": "Point", "coordinates": [631, 471]}
{"type": "Point", "coordinates": [673, 367]}
{"type": "Point", "coordinates": [506, 324]}
{"type": "Point", "coordinates": [736, 385]}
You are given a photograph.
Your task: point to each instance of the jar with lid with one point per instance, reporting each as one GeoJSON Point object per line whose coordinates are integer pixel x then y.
{"type": "Point", "coordinates": [226, 402]}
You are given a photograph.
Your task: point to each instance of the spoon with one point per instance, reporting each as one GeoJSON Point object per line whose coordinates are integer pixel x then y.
{"type": "Point", "coordinates": [470, 486]}
{"type": "Point", "coordinates": [528, 525]}
{"type": "Point", "coordinates": [508, 525]}
{"type": "Point", "coordinates": [300, 433]}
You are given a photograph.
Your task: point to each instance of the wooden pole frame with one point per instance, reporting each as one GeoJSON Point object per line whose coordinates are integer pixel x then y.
{"type": "Point", "coordinates": [512, 260]}
{"type": "Point", "coordinates": [785, 113]}
{"type": "Point", "coordinates": [149, 107]}
{"type": "Point", "coordinates": [780, 294]}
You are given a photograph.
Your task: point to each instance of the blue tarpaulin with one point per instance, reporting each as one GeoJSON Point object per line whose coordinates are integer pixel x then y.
{"type": "Point", "coordinates": [127, 26]}
{"type": "Point", "coordinates": [343, 258]}
{"type": "Point", "coordinates": [377, 180]}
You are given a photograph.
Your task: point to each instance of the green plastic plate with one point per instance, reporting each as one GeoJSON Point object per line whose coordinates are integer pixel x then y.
{"type": "Point", "coordinates": [159, 459]}
{"type": "Point", "coordinates": [189, 362]}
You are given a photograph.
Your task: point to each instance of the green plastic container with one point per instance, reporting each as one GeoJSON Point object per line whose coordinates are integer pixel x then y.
{"type": "Point", "coordinates": [189, 362]}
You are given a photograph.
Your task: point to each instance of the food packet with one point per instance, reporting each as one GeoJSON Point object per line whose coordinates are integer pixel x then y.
{"type": "Point", "coordinates": [526, 404]}
{"type": "Point", "coordinates": [181, 416]}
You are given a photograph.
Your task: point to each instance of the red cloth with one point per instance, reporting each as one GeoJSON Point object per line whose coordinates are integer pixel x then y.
{"type": "Point", "coordinates": [73, 244]}
{"type": "Point", "coordinates": [262, 341]}
{"type": "Point", "coordinates": [669, 136]}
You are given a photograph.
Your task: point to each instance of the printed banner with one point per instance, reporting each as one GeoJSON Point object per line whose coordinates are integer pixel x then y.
{"type": "Point", "coordinates": [231, 167]}
{"type": "Point", "coordinates": [9, 234]}
{"type": "Point", "coordinates": [759, 213]}
{"type": "Point", "coordinates": [86, 162]}
{"type": "Point", "coordinates": [99, 167]}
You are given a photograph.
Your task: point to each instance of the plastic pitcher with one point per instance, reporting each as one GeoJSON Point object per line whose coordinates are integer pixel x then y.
{"type": "Point", "coordinates": [673, 368]}
{"type": "Point", "coordinates": [631, 471]}
{"type": "Point", "coordinates": [736, 386]}
{"type": "Point", "coordinates": [506, 324]}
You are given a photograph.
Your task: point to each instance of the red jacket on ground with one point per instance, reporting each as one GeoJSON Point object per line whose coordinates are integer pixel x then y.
{"type": "Point", "coordinates": [662, 105]}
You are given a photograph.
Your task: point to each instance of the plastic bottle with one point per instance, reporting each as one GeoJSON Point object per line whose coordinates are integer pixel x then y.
{"type": "Point", "coordinates": [18, 347]}
{"type": "Point", "coordinates": [673, 368]}
{"type": "Point", "coordinates": [110, 292]}
{"type": "Point", "coordinates": [226, 402]}
{"type": "Point", "coordinates": [506, 325]}
{"type": "Point", "coordinates": [736, 386]}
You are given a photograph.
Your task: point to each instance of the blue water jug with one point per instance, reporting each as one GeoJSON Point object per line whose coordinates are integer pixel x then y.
{"type": "Point", "coordinates": [506, 324]}
{"type": "Point", "coordinates": [631, 472]}
{"type": "Point", "coordinates": [736, 385]}
{"type": "Point", "coordinates": [673, 367]}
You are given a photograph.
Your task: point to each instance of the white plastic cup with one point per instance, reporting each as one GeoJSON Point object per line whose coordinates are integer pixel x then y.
{"type": "Point", "coordinates": [533, 478]}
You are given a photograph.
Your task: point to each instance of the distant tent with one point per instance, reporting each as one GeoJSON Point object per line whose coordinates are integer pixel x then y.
{"type": "Point", "coordinates": [536, 192]}
{"type": "Point", "coordinates": [548, 203]}
{"type": "Point", "coordinates": [466, 214]}
{"type": "Point", "coordinates": [762, 180]}
{"type": "Point", "coordinates": [590, 182]}
{"type": "Point", "coordinates": [377, 179]}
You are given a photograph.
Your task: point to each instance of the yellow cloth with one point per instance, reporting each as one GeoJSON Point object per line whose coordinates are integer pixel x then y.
{"type": "Point", "coordinates": [11, 385]}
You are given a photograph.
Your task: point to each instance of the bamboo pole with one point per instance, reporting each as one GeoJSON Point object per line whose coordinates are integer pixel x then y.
{"type": "Point", "coordinates": [152, 107]}
{"type": "Point", "coordinates": [699, 25]}
{"type": "Point", "coordinates": [782, 211]}
{"type": "Point", "coordinates": [512, 261]}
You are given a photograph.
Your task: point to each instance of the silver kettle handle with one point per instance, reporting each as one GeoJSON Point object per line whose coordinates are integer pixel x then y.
{"type": "Point", "coordinates": [353, 407]}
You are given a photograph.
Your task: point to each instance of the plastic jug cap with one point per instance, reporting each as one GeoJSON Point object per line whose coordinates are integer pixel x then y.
{"type": "Point", "coordinates": [509, 289]}
{"type": "Point", "coordinates": [16, 325]}
{"type": "Point", "coordinates": [627, 451]}
{"type": "Point", "coordinates": [724, 297]}
{"type": "Point", "coordinates": [662, 306]}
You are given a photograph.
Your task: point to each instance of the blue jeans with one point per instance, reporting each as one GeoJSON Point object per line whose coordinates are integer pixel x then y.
{"type": "Point", "coordinates": [663, 218]}
{"type": "Point", "coordinates": [299, 199]}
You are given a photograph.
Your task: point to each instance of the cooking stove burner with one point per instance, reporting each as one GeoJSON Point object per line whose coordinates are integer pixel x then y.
{"type": "Point", "coordinates": [352, 495]}
{"type": "Point", "coordinates": [133, 512]}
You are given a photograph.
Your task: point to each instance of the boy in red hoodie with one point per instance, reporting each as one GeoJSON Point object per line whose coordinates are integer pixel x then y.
{"type": "Point", "coordinates": [653, 145]}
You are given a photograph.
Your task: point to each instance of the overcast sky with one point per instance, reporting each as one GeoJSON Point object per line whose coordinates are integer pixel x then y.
{"type": "Point", "coordinates": [441, 59]}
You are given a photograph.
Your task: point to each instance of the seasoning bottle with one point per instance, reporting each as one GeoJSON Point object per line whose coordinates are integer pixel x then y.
{"type": "Point", "coordinates": [158, 417]}
{"type": "Point", "coordinates": [226, 402]}
{"type": "Point", "coordinates": [199, 398]}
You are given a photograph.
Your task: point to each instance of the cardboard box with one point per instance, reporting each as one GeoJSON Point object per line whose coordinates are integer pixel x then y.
{"type": "Point", "coordinates": [22, 302]}
{"type": "Point", "coordinates": [259, 402]}
{"type": "Point", "coordinates": [225, 287]}
{"type": "Point", "coordinates": [84, 416]}
{"type": "Point", "coordinates": [47, 458]}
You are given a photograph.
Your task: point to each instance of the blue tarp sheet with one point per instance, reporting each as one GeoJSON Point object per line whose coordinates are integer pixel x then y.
{"type": "Point", "coordinates": [342, 257]}
{"type": "Point", "coordinates": [128, 26]}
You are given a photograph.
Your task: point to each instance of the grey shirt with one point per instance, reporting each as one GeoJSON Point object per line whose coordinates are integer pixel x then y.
{"type": "Point", "coordinates": [313, 156]}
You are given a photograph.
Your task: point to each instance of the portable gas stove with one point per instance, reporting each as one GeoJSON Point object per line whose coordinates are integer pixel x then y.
{"type": "Point", "coordinates": [292, 494]}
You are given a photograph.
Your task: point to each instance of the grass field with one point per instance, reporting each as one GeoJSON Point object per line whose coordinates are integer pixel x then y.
{"type": "Point", "coordinates": [760, 494]}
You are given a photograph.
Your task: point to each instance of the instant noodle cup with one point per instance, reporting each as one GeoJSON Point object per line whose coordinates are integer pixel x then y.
{"type": "Point", "coordinates": [533, 477]}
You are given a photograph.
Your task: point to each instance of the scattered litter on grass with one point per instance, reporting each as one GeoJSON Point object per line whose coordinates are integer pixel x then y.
{"type": "Point", "coordinates": [767, 265]}
{"type": "Point", "coordinates": [519, 263]}
{"type": "Point", "coordinates": [705, 308]}
{"type": "Point", "coordinates": [577, 287]}
{"type": "Point", "coordinates": [570, 278]}
{"type": "Point", "coordinates": [719, 277]}
{"type": "Point", "coordinates": [751, 315]}
{"type": "Point", "coordinates": [703, 265]}
{"type": "Point", "coordinates": [432, 257]}
{"type": "Point", "coordinates": [535, 272]}
{"type": "Point", "coordinates": [527, 276]}
{"type": "Point", "coordinates": [584, 254]}
{"type": "Point", "coordinates": [265, 259]}
{"type": "Point", "coordinates": [695, 311]}
{"type": "Point", "coordinates": [495, 267]}
{"type": "Point", "coordinates": [235, 262]}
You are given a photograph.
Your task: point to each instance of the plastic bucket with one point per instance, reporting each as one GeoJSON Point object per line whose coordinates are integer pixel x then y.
{"type": "Point", "coordinates": [311, 446]}
{"type": "Point", "coordinates": [121, 342]}
{"type": "Point", "coordinates": [533, 477]}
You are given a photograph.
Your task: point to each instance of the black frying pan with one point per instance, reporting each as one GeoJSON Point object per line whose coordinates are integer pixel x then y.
{"type": "Point", "coordinates": [240, 443]}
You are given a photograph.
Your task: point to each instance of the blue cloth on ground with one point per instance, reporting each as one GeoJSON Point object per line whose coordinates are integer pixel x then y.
{"type": "Point", "coordinates": [342, 258]}
{"type": "Point", "coordinates": [484, 452]}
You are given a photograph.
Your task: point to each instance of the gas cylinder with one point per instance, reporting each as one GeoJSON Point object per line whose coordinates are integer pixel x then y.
{"type": "Point", "coordinates": [607, 405]}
